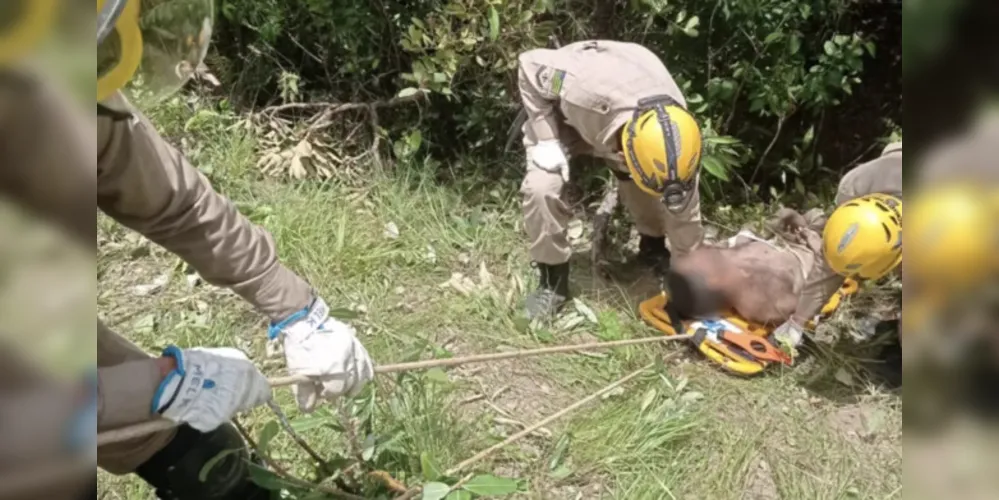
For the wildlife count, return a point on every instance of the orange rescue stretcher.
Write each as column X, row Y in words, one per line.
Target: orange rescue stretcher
column 738, row 346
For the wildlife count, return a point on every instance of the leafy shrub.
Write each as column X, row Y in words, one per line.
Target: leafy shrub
column 784, row 88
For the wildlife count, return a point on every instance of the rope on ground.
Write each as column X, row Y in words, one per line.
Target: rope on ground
column 543, row 422
column 137, row 430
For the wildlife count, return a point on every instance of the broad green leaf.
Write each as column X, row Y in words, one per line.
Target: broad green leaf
column 308, row 423
column 459, row 495
column 809, row 136
column 267, row 434
column 265, row 478
column 773, row 37
column 829, row 47
column 723, row 140
column 429, row 469
column 715, row 168
column 610, row 326
column 544, row 335
column 414, row 140
column 494, row 23
column 435, row 491
column 691, row 27
column 794, row 45
column 489, row 485
column 408, row 91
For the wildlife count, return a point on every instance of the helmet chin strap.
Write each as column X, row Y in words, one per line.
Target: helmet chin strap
column 108, row 17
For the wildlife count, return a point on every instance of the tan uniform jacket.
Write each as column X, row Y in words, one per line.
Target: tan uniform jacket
column 881, row 175
column 148, row 186
column 142, row 182
column 593, row 87
column 582, row 95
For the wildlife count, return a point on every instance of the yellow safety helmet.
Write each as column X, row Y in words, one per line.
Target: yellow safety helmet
column 952, row 239
column 23, row 23
column 156, row 45
column 661, row 143
column 863, row 237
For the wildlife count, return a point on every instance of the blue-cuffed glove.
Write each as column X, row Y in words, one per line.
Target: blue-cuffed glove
column 81, row 435
column 209, row 386
column 327, row 351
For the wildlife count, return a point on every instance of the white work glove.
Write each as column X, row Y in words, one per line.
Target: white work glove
column 209, row 386
column 327, row 351
column 790, row 333
column 550, row 157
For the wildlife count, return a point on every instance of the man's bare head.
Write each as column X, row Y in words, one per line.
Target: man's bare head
column 697, row 282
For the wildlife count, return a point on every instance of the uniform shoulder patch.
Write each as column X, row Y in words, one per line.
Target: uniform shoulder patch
column 551, row 80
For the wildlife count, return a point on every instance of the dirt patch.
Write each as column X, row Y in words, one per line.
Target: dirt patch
column 861, row 422
column 760, row 483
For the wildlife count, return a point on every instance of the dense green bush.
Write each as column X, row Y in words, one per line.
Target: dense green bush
column 791, row 91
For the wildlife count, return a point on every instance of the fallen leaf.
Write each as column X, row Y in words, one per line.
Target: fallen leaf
column 299, row 156
column 460, row 284
column 145, row 325
column 391, row 231
column 584, row 310
column 485, row 277
column 844, row 377
column 152, row 288
column 691, row 397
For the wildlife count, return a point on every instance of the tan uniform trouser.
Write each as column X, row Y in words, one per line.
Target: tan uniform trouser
column 546, row 216
column 125, row 457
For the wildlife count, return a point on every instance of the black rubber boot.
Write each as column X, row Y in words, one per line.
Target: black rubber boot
column 174, row 471
column 552, row 292
column 652, row 252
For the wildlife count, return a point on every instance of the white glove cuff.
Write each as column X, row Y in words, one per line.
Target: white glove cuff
column 302, row 323
column 548, row 155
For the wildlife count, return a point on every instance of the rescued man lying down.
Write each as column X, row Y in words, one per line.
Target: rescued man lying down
column 759, row 279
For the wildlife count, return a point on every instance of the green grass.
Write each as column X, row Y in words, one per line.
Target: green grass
column 683, row 431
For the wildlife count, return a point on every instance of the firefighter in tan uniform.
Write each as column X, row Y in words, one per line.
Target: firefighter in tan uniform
column 148, row 186
column 617, row 101
column 861, row 239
